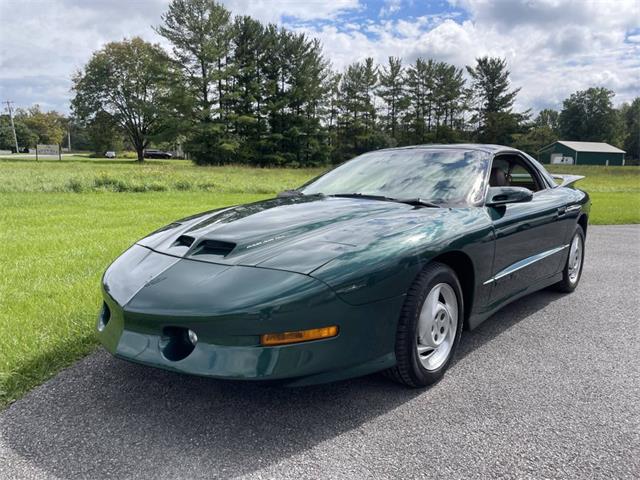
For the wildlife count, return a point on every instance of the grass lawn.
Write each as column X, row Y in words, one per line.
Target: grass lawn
column 614, row 191
column 62, row 222
column 82, row 175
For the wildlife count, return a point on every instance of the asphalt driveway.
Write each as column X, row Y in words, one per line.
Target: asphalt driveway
column 547, row 388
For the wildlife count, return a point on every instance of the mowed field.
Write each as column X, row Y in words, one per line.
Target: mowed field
column 63, row 222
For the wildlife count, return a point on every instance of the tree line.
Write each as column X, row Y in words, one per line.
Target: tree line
column 233, row 90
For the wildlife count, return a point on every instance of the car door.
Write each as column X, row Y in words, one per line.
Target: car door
column 528, row 236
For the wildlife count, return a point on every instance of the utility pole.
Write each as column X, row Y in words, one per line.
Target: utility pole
column 13, row 127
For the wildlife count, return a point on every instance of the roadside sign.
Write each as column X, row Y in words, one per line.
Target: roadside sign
column 48, row 150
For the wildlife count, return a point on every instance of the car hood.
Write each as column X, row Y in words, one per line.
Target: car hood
column 299, row 234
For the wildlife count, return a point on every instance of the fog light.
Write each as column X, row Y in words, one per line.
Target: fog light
column 298, row 336
column 103, row 317
column 177, row 343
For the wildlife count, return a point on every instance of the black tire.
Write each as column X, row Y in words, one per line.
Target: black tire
column 409, row 370
column 567, row 285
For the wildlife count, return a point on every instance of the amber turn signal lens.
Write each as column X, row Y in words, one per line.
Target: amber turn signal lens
column 299, row 336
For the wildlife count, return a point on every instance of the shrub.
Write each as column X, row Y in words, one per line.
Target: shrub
column 75, row 185
column 183, row 185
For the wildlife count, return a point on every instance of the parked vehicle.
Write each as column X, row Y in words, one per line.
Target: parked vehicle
column 110, row 154
column 157, row 154
column 379, row 264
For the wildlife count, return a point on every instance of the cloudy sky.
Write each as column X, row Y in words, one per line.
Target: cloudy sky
column 553, row 47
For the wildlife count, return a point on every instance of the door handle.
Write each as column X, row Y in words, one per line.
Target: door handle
column 562, row 211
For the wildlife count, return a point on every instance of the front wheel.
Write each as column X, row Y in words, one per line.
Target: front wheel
column 429, row 327
column 573, row 268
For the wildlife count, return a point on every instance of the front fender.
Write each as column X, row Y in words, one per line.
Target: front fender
column 387, row 267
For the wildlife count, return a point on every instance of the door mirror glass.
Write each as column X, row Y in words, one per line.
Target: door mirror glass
column 497, row 196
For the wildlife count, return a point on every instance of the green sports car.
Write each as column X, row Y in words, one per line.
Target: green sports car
column 377, row 265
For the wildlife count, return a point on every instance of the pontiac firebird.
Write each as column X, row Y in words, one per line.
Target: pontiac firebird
column 377, row 265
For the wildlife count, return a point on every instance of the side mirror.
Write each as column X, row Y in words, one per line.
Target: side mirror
column 497, row 196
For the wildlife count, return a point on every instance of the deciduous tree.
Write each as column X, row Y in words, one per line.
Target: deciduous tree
column 631, row 117
column 588, row 115
column 48, row 127
column 129, row 81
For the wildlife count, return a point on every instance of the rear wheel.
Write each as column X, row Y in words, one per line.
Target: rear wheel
column 429, row 327
column 573, row 268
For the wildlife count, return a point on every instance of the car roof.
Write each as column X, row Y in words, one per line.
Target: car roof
column 483, row 147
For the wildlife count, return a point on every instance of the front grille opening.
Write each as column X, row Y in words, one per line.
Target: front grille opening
column 183, row 241
column 214, row 247
column 103, row 317
column 176, row 343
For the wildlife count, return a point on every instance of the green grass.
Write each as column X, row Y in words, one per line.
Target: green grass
column 82, row 175
column 54, row 249
column 614, row 191
column 62, row 222
column 603, row 179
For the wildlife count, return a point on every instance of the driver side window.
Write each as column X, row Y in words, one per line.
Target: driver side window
column 521, row 177
column 511, row 171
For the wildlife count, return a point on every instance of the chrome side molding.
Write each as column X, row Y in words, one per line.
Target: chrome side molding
column 525, row 263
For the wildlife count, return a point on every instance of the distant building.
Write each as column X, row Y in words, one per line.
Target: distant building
column 581, row 153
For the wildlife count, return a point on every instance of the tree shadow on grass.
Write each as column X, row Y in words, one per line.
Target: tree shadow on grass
column 106, row 417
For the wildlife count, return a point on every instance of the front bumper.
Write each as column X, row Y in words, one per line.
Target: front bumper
column 229, row 308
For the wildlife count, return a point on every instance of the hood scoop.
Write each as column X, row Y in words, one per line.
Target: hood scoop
column 183, row 241
column 216, row 248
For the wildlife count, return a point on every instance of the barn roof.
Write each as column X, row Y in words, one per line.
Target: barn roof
column 598, row 147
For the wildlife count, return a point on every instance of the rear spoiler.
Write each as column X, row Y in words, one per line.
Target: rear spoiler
column 567, row 179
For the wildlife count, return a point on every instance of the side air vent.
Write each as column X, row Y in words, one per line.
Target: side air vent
column 183, row 241
column 214, row 247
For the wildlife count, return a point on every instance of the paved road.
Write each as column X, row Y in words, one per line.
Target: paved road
column 547, row 388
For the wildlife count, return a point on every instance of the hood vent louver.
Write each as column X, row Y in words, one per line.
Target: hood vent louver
column 183, row 241
column 214, row 247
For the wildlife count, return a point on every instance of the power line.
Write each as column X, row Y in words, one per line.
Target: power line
column 13, row 127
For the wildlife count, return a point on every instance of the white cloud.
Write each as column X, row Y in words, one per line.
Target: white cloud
column 634, row 38
column 390, row 7
column 553, row 47
column 274, row 11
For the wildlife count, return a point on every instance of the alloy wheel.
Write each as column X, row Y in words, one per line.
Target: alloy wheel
column 437, row 326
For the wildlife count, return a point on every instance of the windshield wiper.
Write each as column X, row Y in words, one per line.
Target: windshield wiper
column 418, row 202
column 363, row 195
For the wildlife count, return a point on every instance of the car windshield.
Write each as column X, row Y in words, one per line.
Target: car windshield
column 447, row 177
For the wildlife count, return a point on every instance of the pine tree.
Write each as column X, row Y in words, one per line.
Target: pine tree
column 420, row 85
column 244, row 94
column 264, row 95
column 494, row 101
column 392, row 92
column 357, row 130
column 447, row 101
column 199, row 32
